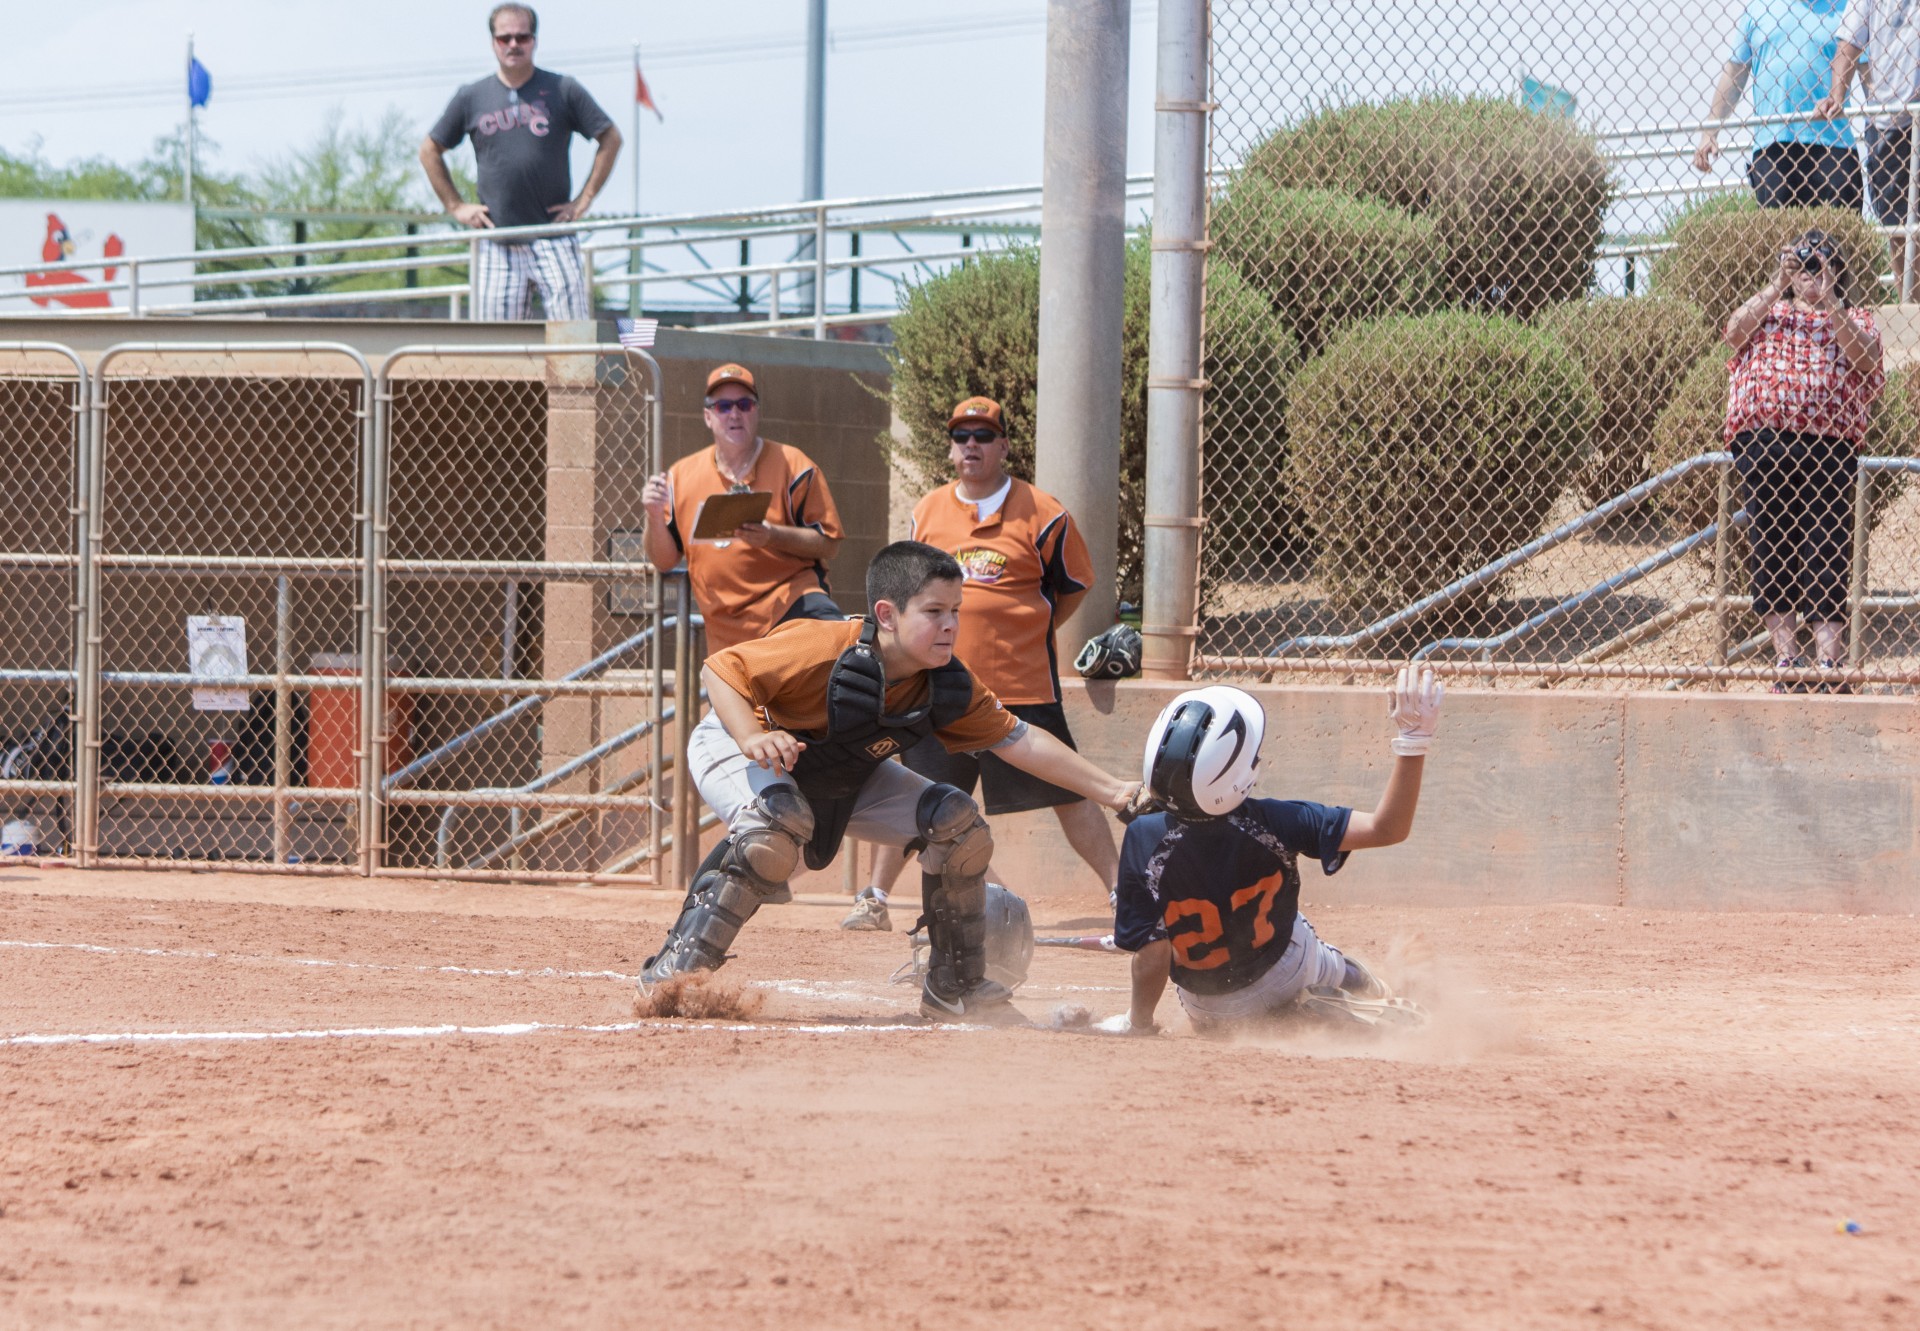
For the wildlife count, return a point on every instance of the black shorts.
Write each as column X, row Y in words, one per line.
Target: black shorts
column 1887, row 156
column 812, row 605
column 1007, row 789
column 1805, row 175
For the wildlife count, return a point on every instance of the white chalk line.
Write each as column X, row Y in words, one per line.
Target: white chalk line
column 543, row 973
column 507, row 1029
column 803, row 988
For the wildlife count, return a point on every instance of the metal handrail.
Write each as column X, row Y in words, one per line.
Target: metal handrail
column 1751, row 122
column 599, row 665
column 615, row 238
column 1606, row 586
column 624, row 236
column 519, row 840
column 1488, row 573
column 1858, row 596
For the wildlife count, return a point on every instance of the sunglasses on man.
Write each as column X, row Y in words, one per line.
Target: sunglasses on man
column 513, row 38
column 973, row 436
column 726, row 406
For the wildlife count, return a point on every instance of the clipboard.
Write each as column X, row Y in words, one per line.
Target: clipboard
column 720, row 513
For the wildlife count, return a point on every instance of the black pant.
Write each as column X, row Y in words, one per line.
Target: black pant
column 1799, row 499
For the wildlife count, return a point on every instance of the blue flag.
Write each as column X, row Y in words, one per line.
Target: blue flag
column 1545, row 99
column 199, row 82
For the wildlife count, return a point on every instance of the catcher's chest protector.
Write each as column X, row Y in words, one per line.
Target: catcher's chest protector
column 860, row 735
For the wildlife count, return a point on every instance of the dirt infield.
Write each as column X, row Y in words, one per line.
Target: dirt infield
column 402, row 1105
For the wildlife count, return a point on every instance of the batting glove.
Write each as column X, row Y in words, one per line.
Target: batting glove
column 1413, row 705
column 1122, row 1024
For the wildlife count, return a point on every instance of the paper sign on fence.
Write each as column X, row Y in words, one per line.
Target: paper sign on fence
column 217, row 649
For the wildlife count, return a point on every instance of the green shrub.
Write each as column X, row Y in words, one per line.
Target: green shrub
column 1516, row 199
column 1326, row 260
column 1251, row 517
column 1692, row 425
column 1635, row 352
column 975, row 329
column 972, row 329
column 1725, row 249
column 1421, row 447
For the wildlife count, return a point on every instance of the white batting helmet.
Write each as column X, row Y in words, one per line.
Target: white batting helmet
column 1203, row 749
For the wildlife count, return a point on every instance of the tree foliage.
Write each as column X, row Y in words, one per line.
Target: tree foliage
column 343, row 169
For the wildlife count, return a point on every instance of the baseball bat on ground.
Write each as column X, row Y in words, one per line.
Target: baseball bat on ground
column 1084, row 942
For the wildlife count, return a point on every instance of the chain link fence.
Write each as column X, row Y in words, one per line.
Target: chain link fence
column 511, row 552
column 227, row 547
column 270, row 608
column 1468, row 277
column 45, row 392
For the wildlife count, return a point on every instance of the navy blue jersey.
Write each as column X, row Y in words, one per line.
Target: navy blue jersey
column 1223, row 891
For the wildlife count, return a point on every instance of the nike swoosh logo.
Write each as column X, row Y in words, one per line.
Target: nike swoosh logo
column 1237, row 727
column 928, row 997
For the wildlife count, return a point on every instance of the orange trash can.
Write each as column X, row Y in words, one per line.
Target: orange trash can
column 333, row 726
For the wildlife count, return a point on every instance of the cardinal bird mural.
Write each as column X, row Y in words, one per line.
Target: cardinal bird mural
column 59, row 245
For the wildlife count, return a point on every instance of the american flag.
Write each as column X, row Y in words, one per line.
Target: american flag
column 636, row 334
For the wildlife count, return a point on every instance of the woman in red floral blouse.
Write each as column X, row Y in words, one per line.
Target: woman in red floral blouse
column 1805, row 372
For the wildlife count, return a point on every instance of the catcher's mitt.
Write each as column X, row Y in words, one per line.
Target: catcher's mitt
column 1114, row 654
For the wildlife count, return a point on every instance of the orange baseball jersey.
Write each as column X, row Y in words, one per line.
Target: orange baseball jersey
column 785, row 675
column 741, row 589
column 1026, row 568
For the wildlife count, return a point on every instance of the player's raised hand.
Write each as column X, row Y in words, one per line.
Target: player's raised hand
column 1413, row 705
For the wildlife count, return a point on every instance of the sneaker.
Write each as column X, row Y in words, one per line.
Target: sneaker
column 869, row 914
column 1363, row 983
column 987, row 1001
column 1788, row 686
column 1337, row 1007
column 1841, row 686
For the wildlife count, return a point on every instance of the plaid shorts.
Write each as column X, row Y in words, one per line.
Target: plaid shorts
column 555, row 264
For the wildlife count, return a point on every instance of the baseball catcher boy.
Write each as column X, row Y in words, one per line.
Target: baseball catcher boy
column 793, row 757
column 1209, row 891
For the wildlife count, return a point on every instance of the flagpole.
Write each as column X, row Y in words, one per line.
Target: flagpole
column 189, row 167
column 636, row 256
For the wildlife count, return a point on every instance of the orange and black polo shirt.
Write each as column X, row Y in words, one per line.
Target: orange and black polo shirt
column 742, row 590
column 1026, row 568
column 785, row 674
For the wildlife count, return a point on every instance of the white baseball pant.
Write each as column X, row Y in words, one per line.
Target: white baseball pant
column 1306, row 962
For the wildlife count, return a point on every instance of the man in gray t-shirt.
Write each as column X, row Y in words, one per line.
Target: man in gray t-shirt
column 522, row 120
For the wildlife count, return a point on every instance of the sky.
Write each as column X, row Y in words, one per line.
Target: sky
column 921, row 94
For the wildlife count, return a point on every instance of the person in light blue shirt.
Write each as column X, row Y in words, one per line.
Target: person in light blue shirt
column 1785, row 49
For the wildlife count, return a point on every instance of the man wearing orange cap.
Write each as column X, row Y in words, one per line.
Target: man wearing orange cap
column 1026, row 568
column 764, row 572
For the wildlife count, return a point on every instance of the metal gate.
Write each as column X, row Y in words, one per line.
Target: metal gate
column 524, row 645
column 41, row 534
column 268, row 609
column 228, row 497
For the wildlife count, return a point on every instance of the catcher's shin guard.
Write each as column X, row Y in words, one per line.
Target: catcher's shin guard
column 745, row 871
column 954, row 887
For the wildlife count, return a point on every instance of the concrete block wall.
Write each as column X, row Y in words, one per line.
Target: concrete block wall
column 1657, row 801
